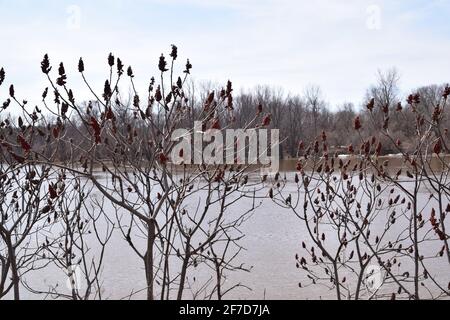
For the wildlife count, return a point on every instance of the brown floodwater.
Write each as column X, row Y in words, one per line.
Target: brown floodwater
column 273, row 237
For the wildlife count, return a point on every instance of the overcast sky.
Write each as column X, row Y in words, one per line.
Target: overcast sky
column 338, row 45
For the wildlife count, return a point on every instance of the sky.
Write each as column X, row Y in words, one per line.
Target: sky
column 338, row 45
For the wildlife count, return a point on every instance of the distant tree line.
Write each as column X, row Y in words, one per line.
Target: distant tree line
column 301, row 118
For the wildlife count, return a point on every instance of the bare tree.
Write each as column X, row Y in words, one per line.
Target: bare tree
column 364, row 205
column 149, row 193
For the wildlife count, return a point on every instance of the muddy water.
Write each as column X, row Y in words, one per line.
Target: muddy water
column 395, row 162
column 273, row 237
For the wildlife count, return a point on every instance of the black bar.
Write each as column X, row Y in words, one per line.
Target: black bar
column 180, row 310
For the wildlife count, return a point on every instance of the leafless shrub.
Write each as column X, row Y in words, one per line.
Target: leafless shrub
column 361, row 211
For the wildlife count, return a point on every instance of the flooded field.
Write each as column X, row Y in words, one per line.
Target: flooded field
column 273, row 237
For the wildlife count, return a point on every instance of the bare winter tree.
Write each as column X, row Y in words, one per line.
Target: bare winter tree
column 26, row 200
column 315, row 104
column 77, row 242
column 152, row 198
column 363, row 214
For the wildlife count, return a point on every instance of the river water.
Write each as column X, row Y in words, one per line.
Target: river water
column 273, row 237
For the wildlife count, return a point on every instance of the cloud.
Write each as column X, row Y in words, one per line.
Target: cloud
column 282, row 43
